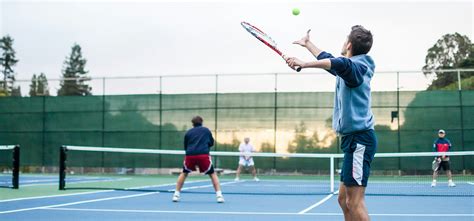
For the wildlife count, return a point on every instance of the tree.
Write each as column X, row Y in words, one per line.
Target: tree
column 39, row 85
column 309, row 144
column 267, row 147
column 8, row 60
column 450, row 51
column 15, row 91
column 74, row 76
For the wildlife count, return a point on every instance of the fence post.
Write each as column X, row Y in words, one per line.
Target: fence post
column 461, row 119
column 43, row 135
column 275, row 118
column 160, row 135
column 398, row 124
column 103, row 123
column 215, row 118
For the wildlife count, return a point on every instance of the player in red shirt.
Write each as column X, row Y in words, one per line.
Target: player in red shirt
column 440, row 145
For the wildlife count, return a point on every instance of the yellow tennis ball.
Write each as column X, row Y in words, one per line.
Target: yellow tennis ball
column 296, row 11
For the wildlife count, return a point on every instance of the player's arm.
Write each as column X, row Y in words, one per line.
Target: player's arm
column 185, row 142
column 352, row 73
column 306, row 43
column 241, row 150
column 435, row 149
column 252, row 150
column 211, row 139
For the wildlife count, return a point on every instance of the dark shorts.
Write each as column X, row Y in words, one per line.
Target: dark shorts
column 203, row 161
column 359, row 150
column 444, row 165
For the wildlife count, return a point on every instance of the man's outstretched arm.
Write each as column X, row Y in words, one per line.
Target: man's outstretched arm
column 306, row 43
column 351, row 73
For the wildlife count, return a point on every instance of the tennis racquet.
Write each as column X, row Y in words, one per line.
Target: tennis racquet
column 435, row 164
column 264, row 38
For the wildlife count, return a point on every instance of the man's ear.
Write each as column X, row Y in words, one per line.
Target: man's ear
column 349, row 46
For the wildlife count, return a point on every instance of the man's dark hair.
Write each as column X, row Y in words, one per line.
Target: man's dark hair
column 361, row 40
column 197, row 121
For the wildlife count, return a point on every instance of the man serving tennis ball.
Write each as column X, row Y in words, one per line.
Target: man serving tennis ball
column 352, row 117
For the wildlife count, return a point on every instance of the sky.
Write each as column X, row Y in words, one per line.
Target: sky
column 151, row 38
column 121, row 38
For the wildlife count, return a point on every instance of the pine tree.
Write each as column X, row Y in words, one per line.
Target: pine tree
column 7, row 61
column 39, row 85
column 74, row 76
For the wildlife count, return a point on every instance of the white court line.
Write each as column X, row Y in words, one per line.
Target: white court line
column 204, row 186
column 37, row 181
column 76, row 182
column 78, row 202
column 92, row 192
column 254, row 213
column 109, row 198
column 59, row 195
column 318, row 203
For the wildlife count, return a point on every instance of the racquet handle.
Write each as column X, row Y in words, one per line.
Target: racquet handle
column 298, row 69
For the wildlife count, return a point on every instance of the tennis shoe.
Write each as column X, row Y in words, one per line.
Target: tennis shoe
column 451, row 184
column 176, row 198
column 433, row 184
column 220, row 199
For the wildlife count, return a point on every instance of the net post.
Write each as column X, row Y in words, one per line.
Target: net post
column 16, row 167
column 62, row 167
column 331, row 173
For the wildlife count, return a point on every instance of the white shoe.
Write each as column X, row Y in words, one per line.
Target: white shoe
column 433, row 184
column 236, row 179
column 220, row 199
column 176, row 198
column 451, row 184
column 256, row 179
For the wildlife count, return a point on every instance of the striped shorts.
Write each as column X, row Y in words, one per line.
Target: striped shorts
column 359, row 149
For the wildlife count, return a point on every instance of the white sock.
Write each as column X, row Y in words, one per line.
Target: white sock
column 218, row 193
column 434, row 181
column 176, row 193
column 450, row 181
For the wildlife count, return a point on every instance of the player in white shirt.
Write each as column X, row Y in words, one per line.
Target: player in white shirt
column 246, row 160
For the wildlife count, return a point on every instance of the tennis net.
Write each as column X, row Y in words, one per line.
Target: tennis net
column 9, row 166
column 396, row 174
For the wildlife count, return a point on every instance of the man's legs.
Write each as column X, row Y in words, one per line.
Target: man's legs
column 254, row 173
column 237, row 174
column 359, row 150
column 179, row 185
column 342, row 202
column 217, row 187
column 435, row 175
column 355, row 203
column 450, row 178
column 215, row 182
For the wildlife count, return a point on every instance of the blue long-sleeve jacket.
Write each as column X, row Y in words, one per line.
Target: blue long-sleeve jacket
column 441, row 145
column 198, row 140
column 352, row 98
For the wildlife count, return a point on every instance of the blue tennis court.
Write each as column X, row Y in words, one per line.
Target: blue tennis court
column 32, row 180
column 242, row 202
